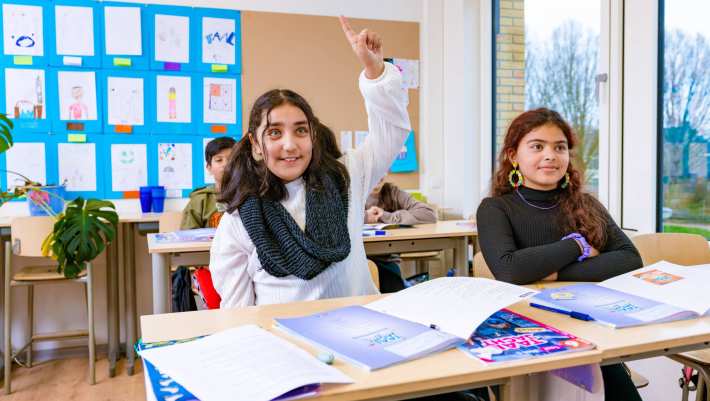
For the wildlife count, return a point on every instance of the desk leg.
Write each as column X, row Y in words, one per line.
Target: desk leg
column 112, row 305
column 461, row 256
column 2, row 302
column 130, row 286
column 161, row 282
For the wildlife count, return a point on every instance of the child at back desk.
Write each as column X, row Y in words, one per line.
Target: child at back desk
column 202, row 211
column 389, row 204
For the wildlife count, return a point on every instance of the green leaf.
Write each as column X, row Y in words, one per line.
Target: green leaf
column 6, row 127
column 82, row 233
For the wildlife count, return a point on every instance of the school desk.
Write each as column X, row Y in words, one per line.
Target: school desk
column 450, row 370
column 423, row 237
column 435, row 374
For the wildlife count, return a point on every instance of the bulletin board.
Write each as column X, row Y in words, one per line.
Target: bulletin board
column 110, row 96
column 78, row 98
column 309, row 54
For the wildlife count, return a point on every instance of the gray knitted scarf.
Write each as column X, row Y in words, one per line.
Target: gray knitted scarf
column 283, row 248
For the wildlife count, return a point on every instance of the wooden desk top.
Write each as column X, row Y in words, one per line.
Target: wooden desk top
column 443, row 371
column 122, row 218
column 441, row 229
column 617, row 343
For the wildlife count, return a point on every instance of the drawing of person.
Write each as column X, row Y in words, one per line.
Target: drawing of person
column 172, row 99
column 78, row 110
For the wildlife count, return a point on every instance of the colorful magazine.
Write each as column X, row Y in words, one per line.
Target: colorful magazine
column 507, row 336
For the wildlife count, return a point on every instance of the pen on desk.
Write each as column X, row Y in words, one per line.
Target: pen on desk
column 572, row 314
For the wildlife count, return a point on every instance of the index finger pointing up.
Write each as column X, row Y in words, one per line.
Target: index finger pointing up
column 347, row 29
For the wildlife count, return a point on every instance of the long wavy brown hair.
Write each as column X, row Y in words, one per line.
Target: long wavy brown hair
column 580, row 211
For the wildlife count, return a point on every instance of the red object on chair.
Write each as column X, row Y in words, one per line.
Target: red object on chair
column 209, row 294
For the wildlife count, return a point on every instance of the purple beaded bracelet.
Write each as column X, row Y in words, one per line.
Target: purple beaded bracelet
column 586, row 249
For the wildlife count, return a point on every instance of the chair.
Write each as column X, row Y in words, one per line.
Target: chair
column 28, row 233
column 374, row 273
column 682, row 249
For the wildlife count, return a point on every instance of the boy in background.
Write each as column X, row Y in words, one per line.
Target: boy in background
column 202, row 211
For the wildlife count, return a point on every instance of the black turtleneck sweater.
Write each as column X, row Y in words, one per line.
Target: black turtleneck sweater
column 521, row 244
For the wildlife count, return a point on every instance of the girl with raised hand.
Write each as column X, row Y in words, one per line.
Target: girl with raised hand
column 293, row 227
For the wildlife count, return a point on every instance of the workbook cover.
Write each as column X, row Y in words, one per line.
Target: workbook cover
column 508, row 336
column 367, row 338
column 195, row 235
column 611, row 307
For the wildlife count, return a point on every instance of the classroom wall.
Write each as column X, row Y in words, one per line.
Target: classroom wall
column 69, row 313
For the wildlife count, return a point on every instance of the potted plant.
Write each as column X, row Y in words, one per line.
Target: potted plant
column 81, row 231
column 80, row 234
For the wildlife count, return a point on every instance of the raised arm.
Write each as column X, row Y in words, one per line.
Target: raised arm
column 386, row 104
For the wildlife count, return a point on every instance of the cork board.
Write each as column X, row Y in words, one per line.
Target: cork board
column 310, row 55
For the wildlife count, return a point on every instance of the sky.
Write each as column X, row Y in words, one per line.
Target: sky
column 543, row 16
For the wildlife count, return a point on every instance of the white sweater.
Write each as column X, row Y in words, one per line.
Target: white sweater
column 236, row 271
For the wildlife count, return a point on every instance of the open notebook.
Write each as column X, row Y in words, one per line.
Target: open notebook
column 657, row 293
column 246, row 363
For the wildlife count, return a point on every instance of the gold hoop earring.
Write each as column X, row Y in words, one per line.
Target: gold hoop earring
column 565, row 183
column 515, row 173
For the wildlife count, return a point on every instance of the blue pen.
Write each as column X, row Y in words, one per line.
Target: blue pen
column 572, row 314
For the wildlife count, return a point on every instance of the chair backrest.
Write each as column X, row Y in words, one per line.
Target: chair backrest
column 480, row 268
column 679, row 248
column 373, row 272
column 169, row 221
column 28, row 233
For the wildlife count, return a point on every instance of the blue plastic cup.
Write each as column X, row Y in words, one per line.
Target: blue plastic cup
column 158, row 195
column 146, row 197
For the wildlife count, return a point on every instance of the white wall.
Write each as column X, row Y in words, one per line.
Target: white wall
column 639, row 124
column 455, row 96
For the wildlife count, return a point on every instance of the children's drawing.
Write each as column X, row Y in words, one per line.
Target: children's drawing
column 74, row 30
column 220, row 98
column 22, row 30
column 175, row 165
column 28, row 159
column 123, row 31
column 129, row 167
column 172, row 38
column 24, row 94
column 125, row 101
column 218, row 40
column 173, row 99
column 77, row 95
column 172, row 108
column 77, row 166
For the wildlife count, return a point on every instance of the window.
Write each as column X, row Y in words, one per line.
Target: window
column 547, row 55
column 684, row 139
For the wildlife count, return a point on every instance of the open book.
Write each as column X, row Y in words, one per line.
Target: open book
column 657, row 293
column 235, row 364
column 196, row 235
column 420, row 320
